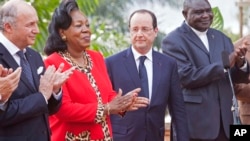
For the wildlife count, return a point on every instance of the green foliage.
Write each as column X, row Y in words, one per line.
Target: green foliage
column 44, row 18
column 218, row 21
column 45, row 9
column 105, row 37
column 109, row 28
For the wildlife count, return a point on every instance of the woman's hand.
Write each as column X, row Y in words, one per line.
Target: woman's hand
column 139, row 102
column 127, row 102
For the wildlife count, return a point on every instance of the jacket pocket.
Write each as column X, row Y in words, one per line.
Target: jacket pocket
column 119, row 129
column 192, row 98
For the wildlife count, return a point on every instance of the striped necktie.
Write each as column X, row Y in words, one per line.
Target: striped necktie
column 26, row 70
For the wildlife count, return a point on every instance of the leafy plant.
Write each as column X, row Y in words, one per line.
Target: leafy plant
column 218, row 21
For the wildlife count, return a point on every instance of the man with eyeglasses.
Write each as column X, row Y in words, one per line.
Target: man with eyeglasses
column 156, row 74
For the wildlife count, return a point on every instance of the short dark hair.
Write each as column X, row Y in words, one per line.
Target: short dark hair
column 144, row 11
column 61, row 19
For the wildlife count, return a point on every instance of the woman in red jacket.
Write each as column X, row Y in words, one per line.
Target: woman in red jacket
column 88, row 98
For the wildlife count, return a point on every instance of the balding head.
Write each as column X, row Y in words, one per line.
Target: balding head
column 198, row 14
column 19, row 18
column 10, row 10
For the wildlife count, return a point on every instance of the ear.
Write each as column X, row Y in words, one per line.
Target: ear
column 156, row 31
column 184, row 13
column 8, row 27
column 61, row 32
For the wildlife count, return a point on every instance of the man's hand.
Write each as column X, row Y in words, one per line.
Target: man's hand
column 47, row 81
column 238, row 56
column 8, row 82
column 53, row 79
column 61, row 77
column 241, row 46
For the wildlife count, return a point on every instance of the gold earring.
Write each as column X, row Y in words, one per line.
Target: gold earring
column 64, row 38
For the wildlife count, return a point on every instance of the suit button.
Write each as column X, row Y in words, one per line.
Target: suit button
column 44, row 132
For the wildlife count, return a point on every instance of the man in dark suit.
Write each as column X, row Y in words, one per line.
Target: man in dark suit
column 205, row 86
column 163, row 87
column 24, row 116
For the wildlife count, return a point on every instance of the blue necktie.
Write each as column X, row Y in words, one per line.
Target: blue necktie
column 26, row 70
column 143, row 76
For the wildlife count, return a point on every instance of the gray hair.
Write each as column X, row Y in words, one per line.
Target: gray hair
column 8, row 13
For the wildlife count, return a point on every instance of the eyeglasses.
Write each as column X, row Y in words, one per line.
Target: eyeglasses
column 144, row 30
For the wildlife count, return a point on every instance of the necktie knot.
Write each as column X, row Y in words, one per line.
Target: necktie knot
column 142, row 59
column 21, row 54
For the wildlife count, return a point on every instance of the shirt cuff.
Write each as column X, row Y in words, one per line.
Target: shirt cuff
column 58, row 95
column 244, row 67
column 3, row 105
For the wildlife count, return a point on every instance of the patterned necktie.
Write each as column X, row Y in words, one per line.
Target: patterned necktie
column 143, row 76
column 26, row 70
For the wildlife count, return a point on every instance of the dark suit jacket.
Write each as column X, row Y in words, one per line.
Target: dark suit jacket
column 147, row 124
column 205, row 86
column 26, row 116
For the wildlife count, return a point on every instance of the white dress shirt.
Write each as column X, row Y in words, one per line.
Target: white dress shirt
column 149, row 66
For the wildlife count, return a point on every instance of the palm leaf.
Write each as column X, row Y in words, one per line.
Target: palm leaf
column 218, row 22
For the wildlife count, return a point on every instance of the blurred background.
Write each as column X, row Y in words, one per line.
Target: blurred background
column 108, row 19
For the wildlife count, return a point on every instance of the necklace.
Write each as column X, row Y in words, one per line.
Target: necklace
column 87, row 65
column 85, row 60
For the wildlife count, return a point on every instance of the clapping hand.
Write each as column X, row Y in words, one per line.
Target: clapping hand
column 8, row 82
column 127, row 102
column 53, row 79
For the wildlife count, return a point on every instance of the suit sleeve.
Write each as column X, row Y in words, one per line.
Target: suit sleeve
column 54, row 105
column 23, row 109
column 191, row 75
column 177, row 108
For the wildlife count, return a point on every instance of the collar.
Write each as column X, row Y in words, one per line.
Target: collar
column 12, row 48
column 137, row 54
column 196, row 31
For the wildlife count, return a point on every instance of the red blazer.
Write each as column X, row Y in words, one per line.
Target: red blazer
column 79, row 102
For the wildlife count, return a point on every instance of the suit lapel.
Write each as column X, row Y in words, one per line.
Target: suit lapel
column 157, row 71
column 212, row 45
column 191, row 36
column 131, row 68
column 11, row 63
column 8, row 58
column 33, row 67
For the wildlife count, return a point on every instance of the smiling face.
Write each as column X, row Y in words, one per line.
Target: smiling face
column 142, row 33
column 78, row 34
column 198, row 14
